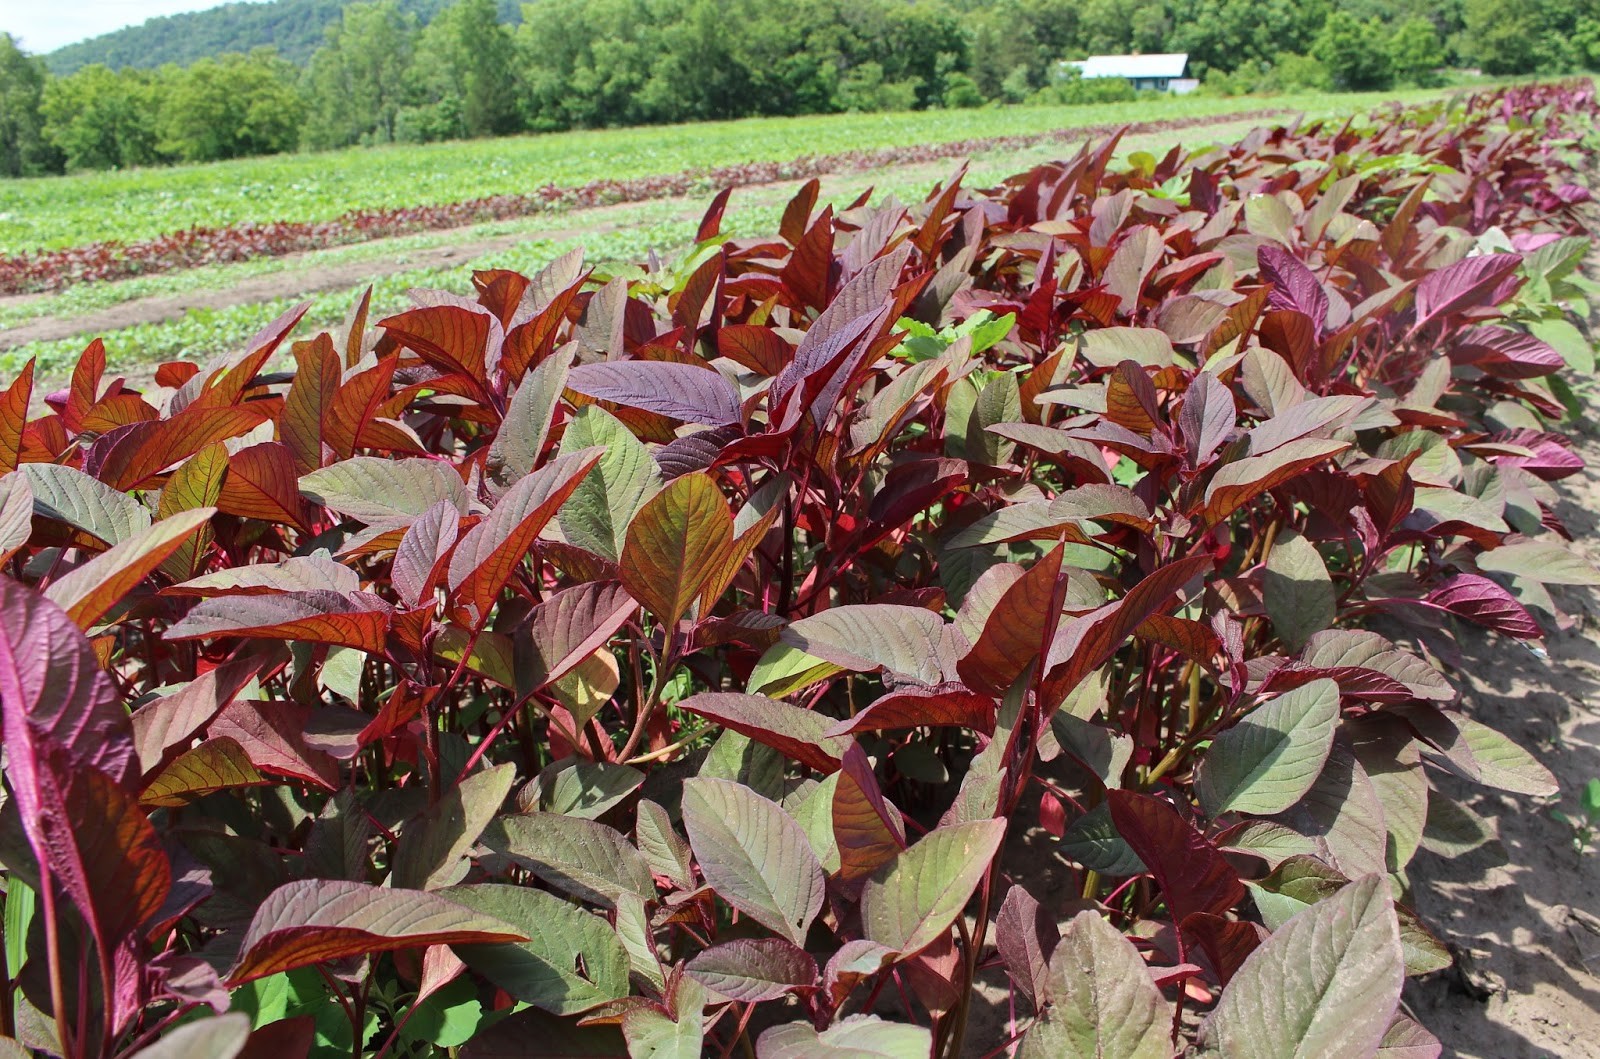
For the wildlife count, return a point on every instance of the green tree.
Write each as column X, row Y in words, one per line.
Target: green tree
column 24, row 148
column 464, row 83
column 1415, row 53
column 356, row 82
column 1502, row 38
column 105, row 120
column 232, row 106
column 1353, row 51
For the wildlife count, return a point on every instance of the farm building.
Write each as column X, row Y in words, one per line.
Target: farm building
column 1147, row 73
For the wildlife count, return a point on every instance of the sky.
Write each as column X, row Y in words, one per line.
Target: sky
column 45, row 25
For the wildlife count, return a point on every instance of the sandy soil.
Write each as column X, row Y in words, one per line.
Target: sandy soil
column 1524, row 919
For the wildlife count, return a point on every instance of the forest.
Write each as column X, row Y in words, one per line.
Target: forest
column 406, row 71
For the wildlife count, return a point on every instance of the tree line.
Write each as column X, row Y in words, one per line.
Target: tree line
column 382, row 76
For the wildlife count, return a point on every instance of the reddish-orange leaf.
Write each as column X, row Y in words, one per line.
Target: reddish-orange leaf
column 941, row 706
column 1018, row 628
column 867, row 831
column 14, row 417
column 85, row 388
column 356, row 403
column 311, row 395
column 347, row 619
column 262, row 483
column 150, row 448
column 674, row 544
column 486, row 557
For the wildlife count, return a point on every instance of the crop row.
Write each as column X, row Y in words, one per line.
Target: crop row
column 48, row 270
column 662, row 666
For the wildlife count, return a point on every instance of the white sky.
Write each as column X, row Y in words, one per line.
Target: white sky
column 44, row 25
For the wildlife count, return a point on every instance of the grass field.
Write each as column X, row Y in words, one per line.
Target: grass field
column 137, row 204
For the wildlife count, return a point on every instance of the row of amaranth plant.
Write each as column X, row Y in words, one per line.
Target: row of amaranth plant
column 657, row 667
column 59, row 269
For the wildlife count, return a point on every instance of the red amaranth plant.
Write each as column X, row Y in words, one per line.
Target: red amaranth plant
column 658, row 667
column 50, row 270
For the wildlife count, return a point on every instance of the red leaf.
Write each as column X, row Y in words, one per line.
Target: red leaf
column 941, row 706
column 311, row 396
column 1193, row 875
column 486, row 557
column 1086, row 643
column 14, row 417
column 1480, row 600
column 682, row 391
column 798, row 734
column 348, row 619
column 262, row 483
column 1018, row 628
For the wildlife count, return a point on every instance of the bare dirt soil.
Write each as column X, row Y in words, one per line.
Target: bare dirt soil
column 1524, row 919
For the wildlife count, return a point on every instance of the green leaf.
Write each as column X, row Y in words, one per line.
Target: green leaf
column 68, row 495
column 754, row 855
column 448, row 1018
column 1103, row 1003
column 783, row 670
column 432, row 851
column 653, row 1035
column 218, row 1037
column 371, row 489
column 1092, row 841
column 911, row 901
column 516, row 446
column 998, row 402
column 856, row 1037
column 1302, row 881
column 1268, row 760
column 1568, row 341
column 909, row 642
column 586, row 859
column 571, row 962
column 579, row 788
column 1544, row 561
column 1297, row 590
column 596, row 516
column 662, row 848
column 1326, row 984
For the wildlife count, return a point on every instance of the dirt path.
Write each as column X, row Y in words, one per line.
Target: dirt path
column 1524, row 918
column 292, row 279
column 285, row 283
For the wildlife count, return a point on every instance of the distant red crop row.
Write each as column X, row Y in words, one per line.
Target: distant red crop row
column 666, row 667
column 48, row 270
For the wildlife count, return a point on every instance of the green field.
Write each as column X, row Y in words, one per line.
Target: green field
column 141, row 203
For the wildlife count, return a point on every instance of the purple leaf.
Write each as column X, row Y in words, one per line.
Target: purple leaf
column 1480, row 600
column 682, row 391
column 1469, row 283
column 1293, row 285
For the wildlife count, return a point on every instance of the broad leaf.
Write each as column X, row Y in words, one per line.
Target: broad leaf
column 596, row 517
column 315, row 921
column 674, row 545
column 433, row 848
column 751, row 970
column 911, row 901
column 1326, row 984
column 1298, row 591
column 681, row 391
column 1267, row 761
column 586, row 859
column 91, row 590
column 799, row 734
column 908, row 642
column 854, row 1037
column 347, row 619
column 371, row 490
column 570, row 961
column 754, row 855
column 1102, row 1001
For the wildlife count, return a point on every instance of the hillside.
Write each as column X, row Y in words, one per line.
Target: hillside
column 294, row 27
